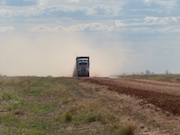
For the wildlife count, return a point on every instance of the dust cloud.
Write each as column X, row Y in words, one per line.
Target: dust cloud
column 55, row 55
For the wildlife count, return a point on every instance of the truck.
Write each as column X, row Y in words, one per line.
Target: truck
column 82, row 66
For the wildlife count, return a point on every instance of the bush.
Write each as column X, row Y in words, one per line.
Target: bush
column 68, row 117
column 128, row 130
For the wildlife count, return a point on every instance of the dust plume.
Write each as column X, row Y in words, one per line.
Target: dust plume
column 55, row 54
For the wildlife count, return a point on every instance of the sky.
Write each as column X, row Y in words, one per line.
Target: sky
column 43, row 37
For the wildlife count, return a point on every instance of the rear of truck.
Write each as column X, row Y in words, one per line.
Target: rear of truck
column 82, row 66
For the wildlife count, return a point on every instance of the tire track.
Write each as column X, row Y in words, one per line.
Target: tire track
column 168, row 102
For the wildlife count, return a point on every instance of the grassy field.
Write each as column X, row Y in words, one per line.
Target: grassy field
column 57, row 106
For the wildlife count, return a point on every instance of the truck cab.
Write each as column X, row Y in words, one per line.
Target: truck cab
column 82, row 66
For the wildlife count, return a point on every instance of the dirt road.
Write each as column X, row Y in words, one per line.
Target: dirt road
column 165, row 95
column 155, row 105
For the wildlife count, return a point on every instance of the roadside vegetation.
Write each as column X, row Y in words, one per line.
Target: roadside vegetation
column 57, row 106
column 158, row 77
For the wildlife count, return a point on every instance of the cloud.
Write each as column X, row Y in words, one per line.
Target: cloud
column 41, row 2
column 44, row 28
column 20, row 12
column 74, row 1
column 160, row 20
column 6, row 13
column 174, row 29
column 56, row 2
column 148, row 24
column 7, row 29
column 106, row 10
column 73, row 28
column 64, row 11
column 91, row 27
column 151, row 19
column 18, row 2
column 168, row 4
column 119, row 23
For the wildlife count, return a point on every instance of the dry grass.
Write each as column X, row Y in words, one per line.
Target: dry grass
column 53, row 106
column 126, row 129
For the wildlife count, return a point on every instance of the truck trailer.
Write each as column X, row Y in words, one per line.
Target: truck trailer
column 82, row 66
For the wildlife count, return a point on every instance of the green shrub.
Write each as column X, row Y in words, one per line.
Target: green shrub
column 68, row 117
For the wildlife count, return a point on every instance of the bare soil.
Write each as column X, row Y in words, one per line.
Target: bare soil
column 153, row 104
column 165, row 95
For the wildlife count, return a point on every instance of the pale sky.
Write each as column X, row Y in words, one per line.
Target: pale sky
column 43, row 37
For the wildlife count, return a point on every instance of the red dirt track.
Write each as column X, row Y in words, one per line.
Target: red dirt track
column 165, row 95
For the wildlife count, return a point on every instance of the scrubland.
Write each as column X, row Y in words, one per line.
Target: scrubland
column 73, row 106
